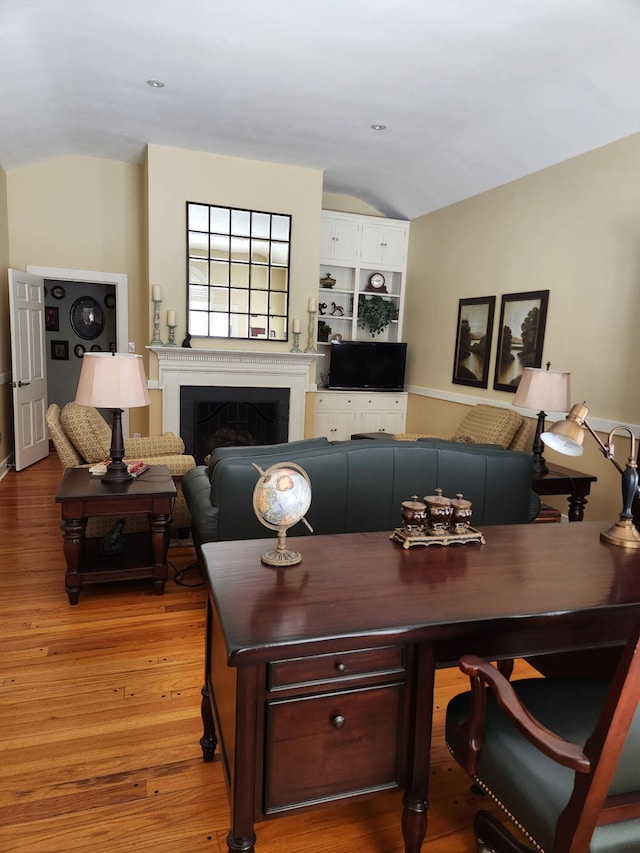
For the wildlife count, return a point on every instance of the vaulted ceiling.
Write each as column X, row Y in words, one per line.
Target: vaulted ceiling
column 473, row 93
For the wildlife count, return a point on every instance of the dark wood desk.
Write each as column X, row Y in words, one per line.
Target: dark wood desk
column 145, row 554
column 565, row 481
column 319, row 678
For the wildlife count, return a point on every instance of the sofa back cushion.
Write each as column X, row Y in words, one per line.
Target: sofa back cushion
column 359, row 486
column 87, row 430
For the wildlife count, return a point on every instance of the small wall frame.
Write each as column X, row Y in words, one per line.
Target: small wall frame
column 473, row 341
column 523, row 317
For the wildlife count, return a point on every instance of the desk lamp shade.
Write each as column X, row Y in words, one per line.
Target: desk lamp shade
column 113, row 381
column 548, row 391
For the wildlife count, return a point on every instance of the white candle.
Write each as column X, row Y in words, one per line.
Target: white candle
column 155, row 290
column 296, row 326
column 312, row 303
column 171, row 318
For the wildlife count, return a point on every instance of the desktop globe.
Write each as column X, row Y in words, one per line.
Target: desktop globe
column 281, row 498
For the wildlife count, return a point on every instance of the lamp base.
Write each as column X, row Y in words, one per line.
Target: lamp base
column 117, row 475
column 623, row 533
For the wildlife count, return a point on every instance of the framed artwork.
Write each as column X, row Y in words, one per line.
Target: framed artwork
column 87, row 318
column 473, row 341
column 79, row 350
column 96, row 348
column 110, row 300
column 60, row 350
column 520, row 338
column 58, row 291
column 51, row 318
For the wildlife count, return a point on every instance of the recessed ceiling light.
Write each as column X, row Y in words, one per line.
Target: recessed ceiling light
column 378, row 126
column 155, row 84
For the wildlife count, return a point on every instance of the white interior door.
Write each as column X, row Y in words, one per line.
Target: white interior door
column 28, row 367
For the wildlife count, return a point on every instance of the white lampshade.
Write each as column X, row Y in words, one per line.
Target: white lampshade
column 545, row 390
column 112, row 381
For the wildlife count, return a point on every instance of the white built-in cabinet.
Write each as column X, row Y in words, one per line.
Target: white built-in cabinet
column 352, row 249
column 341, row 414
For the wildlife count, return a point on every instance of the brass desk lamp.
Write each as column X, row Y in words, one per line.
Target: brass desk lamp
column 567, row 437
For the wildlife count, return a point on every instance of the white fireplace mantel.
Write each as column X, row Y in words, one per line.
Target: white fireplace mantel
column 179, row 366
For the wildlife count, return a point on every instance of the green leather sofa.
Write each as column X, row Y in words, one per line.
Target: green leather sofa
column 359, row 486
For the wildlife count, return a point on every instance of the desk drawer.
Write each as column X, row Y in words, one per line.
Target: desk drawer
column 323, row 747
column 335, row 666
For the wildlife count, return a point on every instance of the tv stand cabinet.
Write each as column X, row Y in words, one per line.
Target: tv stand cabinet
column 340, row 414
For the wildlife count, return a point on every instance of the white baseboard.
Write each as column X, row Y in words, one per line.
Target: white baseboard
column 5, row 464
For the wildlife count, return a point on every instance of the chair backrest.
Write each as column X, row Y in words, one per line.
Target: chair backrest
column 484, row 424
column 87, row 430
column 610, row 792
column 67, row 454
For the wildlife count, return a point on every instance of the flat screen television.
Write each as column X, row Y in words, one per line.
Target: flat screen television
column 367, row 366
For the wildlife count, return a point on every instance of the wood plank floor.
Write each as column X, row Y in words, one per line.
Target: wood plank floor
column 100, row 716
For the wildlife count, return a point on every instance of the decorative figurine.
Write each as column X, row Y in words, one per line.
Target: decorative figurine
column 112, row 542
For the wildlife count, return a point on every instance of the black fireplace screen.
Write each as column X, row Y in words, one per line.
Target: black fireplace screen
column 224, row 417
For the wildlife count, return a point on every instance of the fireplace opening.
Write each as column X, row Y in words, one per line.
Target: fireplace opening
column 212, row 417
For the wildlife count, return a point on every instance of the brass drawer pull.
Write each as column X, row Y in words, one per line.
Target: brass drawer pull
column 338, row 721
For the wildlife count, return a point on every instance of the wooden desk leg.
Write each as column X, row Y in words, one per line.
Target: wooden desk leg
column 159, row 526
column 577, row 501
column 208, row 741
column 73, row 530
column 415, row 801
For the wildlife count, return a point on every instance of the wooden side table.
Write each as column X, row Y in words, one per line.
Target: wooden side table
column 565, row 481
column 144, row 555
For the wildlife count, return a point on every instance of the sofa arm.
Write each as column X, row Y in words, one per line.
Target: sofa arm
column 153, row 445
column 196, row 487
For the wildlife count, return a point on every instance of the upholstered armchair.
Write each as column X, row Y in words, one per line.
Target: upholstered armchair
column 558, row 755
column 81, row 436
column 485, row 424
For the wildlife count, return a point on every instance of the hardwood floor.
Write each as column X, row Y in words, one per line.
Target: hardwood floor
column 100, row 716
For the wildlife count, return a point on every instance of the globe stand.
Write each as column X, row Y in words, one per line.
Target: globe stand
column 281, row 556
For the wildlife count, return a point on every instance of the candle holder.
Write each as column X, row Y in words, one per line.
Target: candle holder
column 172, row 337
column 156, row 341
column 312, row 332
column 296, row 343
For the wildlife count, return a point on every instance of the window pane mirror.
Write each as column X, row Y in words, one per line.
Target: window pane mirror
column 237, row 273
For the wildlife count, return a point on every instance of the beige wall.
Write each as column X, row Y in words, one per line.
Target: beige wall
column 83, row 213
column 6, row 416
column 573, row 229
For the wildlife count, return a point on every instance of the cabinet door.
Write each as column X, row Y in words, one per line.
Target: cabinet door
column 393, row 421
column 325, row 747
column 383, row 245
column 340, row 239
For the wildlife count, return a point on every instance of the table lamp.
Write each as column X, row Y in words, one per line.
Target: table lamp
column 567, row 437
column 113, row 381
column 543, row 389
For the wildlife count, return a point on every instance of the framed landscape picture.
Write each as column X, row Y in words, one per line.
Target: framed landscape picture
column 520, row 336
column 473, row 341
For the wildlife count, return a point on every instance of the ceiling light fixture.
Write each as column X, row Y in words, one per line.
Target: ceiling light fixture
column 155, row 84
column 378, row 126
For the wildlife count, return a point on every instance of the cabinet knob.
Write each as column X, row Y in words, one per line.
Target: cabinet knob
column 338, row 721
column 341, row 667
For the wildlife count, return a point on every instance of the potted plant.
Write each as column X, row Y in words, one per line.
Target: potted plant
column 375, row 313
column 324, row 330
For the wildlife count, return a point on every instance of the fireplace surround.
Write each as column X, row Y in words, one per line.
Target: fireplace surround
column 179, row 367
